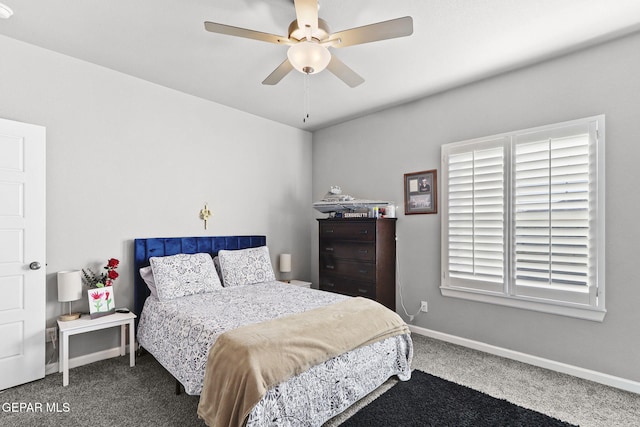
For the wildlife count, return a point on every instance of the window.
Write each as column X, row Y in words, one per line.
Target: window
column 523, row 219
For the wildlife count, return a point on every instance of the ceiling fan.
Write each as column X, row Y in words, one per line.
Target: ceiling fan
column 309, row 39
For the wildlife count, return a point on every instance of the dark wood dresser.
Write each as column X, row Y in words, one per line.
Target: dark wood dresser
column 358, row 258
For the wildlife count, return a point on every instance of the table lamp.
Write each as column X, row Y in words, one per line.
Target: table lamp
column 69, row 289
column 285, row 266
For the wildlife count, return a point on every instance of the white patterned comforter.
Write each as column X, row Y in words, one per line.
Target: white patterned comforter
column 179, row 333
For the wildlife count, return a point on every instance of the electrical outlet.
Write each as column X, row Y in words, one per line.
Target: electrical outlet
column 424, row 307
column 51, row 334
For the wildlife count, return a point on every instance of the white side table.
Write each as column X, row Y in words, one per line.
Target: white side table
column 300, row 283
column 86, row 324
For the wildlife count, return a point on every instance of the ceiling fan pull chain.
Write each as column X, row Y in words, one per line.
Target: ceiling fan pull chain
column 306, row 99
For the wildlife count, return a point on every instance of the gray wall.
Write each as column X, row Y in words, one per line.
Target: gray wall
column 368, row 157
column 127, row 158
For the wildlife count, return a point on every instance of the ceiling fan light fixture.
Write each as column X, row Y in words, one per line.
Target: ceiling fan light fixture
column 5, row 11
column 309, row 57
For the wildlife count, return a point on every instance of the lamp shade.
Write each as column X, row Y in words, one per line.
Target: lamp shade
column 309, row 57
column 69, row 286
column 5, row 11
column 285, row 263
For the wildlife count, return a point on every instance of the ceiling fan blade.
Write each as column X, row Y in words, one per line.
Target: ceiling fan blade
column 243, row 32
column 399, row 27
column 307, row 14
column 279, row 73
column 344, row 73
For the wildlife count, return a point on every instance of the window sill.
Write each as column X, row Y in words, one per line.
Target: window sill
column 586, row 313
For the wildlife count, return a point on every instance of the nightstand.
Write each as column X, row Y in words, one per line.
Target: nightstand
column 87, row 324
column 300, row 283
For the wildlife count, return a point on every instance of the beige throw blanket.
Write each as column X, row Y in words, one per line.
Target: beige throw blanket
column 245, row 362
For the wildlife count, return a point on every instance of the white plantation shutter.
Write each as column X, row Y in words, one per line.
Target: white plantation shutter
column 552, row 201
column 523, row 219
column 476, row 208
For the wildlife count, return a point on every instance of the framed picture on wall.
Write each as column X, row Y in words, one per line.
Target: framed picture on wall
column 421, row 192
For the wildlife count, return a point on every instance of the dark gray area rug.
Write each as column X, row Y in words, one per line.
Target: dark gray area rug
column 426, row 400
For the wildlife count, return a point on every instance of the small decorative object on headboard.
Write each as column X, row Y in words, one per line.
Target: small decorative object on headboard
column 205, row 213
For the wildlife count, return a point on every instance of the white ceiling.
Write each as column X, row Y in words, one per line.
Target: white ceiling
column 454, row 42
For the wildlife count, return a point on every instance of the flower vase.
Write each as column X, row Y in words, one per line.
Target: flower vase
column 101, row 301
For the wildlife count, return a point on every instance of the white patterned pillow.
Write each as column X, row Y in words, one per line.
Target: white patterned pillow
column 184, row 274
column 147, row 276
column 246, row 266
column 216, row 264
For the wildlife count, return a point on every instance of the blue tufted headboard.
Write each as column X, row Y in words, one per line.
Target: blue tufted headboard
column 145, row 248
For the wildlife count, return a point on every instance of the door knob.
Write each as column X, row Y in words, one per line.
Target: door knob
column 35, row 265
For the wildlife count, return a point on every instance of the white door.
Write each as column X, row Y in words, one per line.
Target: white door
column 22, row 253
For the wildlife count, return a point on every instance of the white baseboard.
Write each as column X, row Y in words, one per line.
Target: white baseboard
column 53, row 368
column 587, row 374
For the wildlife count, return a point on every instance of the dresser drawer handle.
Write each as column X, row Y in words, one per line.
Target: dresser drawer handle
column 363, row 271
column 329, row 230
column 363, row 291
column 364, row 231
column 330, row 267
column 330, row 285
column 363, row 251
column 328, row 249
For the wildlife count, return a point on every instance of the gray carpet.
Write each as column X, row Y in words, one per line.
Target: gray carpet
column 561, row 396
column 106, row 393
column 110, row 393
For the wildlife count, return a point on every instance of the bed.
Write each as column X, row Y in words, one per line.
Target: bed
column 179, row 334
